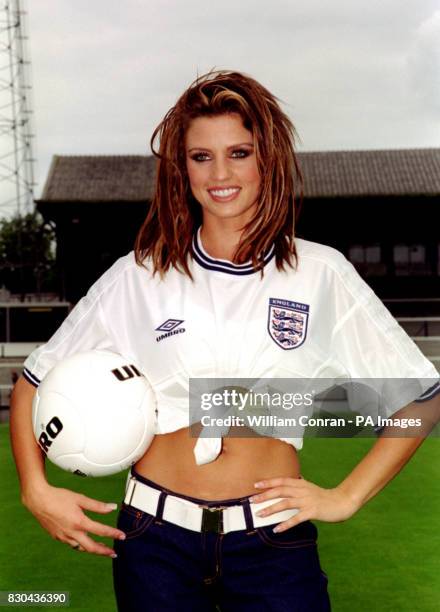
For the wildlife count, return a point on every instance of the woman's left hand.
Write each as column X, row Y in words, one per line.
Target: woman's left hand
column 313, row 502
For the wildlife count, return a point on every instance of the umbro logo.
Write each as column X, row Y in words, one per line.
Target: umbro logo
column 169, row 327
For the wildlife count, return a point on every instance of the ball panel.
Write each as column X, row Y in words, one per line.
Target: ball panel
column 106, row 409
column 57, row 424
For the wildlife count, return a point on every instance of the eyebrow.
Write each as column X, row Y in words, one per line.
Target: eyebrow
column 235, row 146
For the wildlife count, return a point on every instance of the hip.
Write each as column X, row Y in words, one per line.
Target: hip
column 174, row 563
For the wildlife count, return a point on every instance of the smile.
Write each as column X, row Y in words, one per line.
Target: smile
column 224, row 195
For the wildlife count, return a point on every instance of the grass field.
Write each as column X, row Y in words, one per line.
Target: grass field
column 384, row 559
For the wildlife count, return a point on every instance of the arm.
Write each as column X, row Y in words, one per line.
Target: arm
column 29, row 458
column 382, row 462
column 58, row 510
column 390, row 453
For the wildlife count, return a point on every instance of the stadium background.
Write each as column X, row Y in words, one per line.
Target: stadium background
column 376, row 200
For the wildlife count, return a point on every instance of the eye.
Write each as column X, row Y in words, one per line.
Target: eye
column 240, row 153
column 200, row 157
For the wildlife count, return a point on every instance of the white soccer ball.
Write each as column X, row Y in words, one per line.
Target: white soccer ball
column 94, row 414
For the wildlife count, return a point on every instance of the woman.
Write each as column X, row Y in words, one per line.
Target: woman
column 216, row 262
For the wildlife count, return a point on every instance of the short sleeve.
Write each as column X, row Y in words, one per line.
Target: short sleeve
column 83, row 329
column 369, row 345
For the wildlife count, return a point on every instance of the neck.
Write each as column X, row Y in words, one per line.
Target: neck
column 220, row 243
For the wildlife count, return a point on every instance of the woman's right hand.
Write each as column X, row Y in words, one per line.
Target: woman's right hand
column 61, row 513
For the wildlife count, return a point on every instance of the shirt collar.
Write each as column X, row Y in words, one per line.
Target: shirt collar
column 222, row 265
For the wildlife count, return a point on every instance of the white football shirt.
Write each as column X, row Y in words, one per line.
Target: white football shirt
column 320, row 320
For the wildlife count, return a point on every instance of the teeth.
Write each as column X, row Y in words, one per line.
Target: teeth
column 223, row 193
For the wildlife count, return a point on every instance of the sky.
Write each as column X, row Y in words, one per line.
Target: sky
column 351, row 74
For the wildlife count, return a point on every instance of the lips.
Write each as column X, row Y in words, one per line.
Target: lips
column 224, row 194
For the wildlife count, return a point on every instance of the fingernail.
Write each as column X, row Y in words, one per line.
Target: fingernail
column 112, row 506
column 258, row 484
column 114, row 556
column 275, row 529
column 122, row 537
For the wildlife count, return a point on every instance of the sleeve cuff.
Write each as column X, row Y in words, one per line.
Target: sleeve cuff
column 31, row 378
column 429, row 393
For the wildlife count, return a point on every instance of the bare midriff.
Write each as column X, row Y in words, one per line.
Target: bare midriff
column 170, row 462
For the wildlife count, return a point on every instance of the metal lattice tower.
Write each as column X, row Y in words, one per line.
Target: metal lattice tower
column 16, row 158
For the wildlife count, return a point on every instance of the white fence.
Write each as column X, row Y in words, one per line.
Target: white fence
column 17, row 349
column 12, row 356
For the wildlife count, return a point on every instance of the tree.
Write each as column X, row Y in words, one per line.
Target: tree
column 27, row 254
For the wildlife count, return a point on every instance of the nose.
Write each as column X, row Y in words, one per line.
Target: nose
column 220, row 170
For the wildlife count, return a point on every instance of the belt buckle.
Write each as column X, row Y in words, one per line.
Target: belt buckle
column 212, row 519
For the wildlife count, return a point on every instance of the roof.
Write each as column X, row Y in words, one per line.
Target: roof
column 100, row 178
column 367, row 173
column 130, row 178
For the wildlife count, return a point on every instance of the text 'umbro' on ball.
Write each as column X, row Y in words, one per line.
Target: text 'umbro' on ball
column 94, row 414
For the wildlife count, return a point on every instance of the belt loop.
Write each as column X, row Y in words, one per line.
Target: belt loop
column 127, row 482
column 248, row 515
column 161, row 504
column 134, row 482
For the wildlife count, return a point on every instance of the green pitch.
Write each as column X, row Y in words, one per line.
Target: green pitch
column 384, row 559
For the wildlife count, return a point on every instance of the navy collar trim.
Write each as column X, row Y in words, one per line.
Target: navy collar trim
column 222, row 265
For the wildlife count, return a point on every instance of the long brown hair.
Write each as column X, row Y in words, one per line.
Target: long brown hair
column 174, row 213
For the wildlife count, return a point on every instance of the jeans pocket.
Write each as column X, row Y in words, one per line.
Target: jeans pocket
column 133, row 522
column 300, row 536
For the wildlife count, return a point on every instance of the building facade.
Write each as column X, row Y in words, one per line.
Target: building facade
column 380, row 208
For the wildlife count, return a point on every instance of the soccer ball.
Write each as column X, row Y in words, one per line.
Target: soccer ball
column 94, row 414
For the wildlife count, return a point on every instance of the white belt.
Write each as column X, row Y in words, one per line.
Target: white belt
column 188, row 514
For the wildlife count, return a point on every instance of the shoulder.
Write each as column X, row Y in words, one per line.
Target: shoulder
column 326, row 261
column 124, row 270
column 321, row 255
column 319, row 252
column 121, row 265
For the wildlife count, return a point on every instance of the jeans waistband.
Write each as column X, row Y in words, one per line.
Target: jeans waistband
column 217, row 502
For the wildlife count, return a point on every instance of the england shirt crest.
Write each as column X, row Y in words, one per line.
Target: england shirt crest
column 287, row 323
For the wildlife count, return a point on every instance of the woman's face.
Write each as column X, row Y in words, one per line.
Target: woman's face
column 222, row 166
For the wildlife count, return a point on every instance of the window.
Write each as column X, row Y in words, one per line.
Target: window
column 372, row 254
column 410, row 260
column 417, row 254
column 401, row 259
column 356, row 254
column 367, row 259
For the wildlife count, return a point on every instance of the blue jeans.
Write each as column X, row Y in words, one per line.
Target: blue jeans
column 162, row 567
